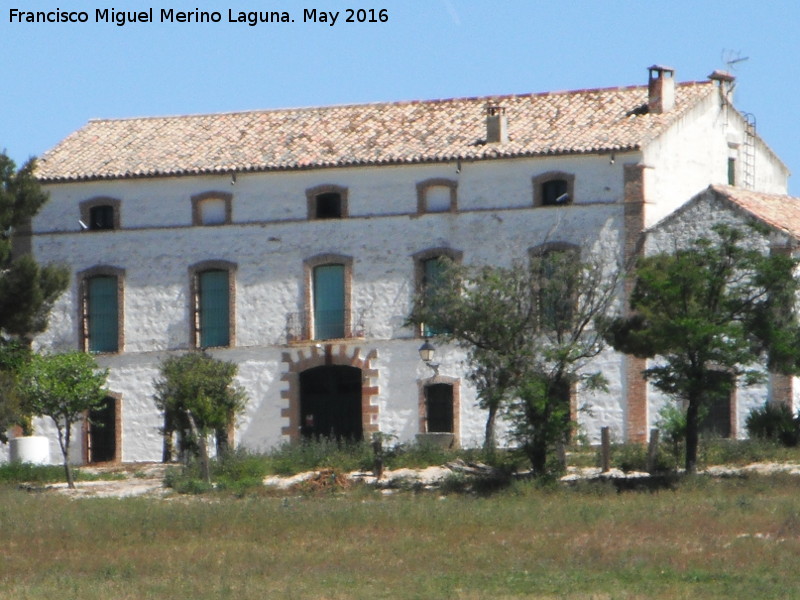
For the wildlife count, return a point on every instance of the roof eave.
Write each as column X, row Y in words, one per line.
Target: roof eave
column 342, row 165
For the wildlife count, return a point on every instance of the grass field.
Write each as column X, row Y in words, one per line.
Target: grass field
column 708, row 538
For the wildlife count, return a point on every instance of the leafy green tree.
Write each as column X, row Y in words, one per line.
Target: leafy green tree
column 63, row 387
column 198, row 396
column 708, row 313
column 13, row 355
column 10, row 410
column 529, row 336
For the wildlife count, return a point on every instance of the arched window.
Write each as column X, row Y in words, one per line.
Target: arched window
column 553, row 189
column 213, row 294
column 429, row 266
column 554, row 265
column 101, row 302
column 328, row 301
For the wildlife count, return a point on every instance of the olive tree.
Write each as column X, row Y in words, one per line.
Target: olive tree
column 198, row 396
column 529, row 332
column 64, row 387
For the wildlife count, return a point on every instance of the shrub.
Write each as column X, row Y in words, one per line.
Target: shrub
column 19, row 472
column 773, row 422
column 630, row 457
column 186, row 480
column 309, row 455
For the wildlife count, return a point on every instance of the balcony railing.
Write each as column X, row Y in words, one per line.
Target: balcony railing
column 324, row 325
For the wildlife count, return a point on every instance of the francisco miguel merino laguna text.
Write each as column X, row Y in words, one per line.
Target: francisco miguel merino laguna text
column 170, row 15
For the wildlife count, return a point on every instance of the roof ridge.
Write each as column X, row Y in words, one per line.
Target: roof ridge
column 732, row 191
column 379, row 103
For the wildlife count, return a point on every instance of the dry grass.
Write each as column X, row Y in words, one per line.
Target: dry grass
column 736, row 538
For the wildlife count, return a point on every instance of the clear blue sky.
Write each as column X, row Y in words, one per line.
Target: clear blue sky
column 57, row 76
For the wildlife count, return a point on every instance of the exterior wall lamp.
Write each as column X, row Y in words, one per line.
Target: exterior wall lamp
column 426, row 353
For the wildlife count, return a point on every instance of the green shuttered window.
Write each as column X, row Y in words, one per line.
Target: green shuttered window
column 433, row 270
column 329, row 308
column 213, row 305
column 102, row 313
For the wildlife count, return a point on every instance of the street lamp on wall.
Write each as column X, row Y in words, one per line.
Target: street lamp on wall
column 426, row 353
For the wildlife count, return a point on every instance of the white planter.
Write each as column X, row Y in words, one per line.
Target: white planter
column 34, row 449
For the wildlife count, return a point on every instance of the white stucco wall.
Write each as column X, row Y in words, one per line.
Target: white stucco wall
column 694, row 153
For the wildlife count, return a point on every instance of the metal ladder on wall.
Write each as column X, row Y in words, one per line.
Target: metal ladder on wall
column 749, row 170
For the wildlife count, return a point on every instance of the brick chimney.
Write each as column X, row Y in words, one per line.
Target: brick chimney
column 660, row 89
column 496, row 124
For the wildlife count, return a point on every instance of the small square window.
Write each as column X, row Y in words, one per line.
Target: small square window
column 328, row 206
column 212, row 208
column 437, row 198
column 101, row 217
column 437, row 195
column 213, row 211
column 554, row 188
column 554, row 193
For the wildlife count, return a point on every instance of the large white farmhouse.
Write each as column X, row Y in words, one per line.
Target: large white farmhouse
column 292, row 242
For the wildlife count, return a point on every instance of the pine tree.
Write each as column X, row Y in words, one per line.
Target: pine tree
column 27, row 290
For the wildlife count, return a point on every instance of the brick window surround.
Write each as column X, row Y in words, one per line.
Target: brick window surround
column 308, row 293
column 311, row 199
column 420, row 259
column 455, row 383
column 83, row 304
column 543, row 178
column 194, row 296
column 423, row 187
column 197, row 207
column 86, row 207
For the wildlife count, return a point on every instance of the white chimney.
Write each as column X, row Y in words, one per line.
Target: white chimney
column 496, row 124
column 725, row 81
column 660, row 89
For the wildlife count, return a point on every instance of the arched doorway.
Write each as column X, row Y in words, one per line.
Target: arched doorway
column 330, row 402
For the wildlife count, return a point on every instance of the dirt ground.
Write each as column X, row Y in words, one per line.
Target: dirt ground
column 147, row 479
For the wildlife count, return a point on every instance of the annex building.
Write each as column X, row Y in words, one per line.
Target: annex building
column 292, row 242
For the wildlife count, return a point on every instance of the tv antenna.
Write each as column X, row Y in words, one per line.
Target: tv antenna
column 732, row 58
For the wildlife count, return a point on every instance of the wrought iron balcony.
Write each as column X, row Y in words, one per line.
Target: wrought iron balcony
column 324, row 325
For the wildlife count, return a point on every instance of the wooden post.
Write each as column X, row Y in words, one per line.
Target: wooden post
column 605, row 449
column 377, row 450
column 652, row 451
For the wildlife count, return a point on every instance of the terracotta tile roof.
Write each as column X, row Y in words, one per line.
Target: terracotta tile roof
column 584, row 121
column 775, row 210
